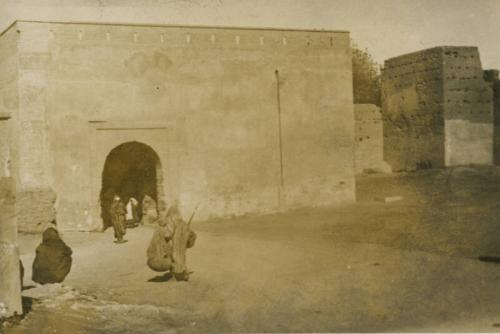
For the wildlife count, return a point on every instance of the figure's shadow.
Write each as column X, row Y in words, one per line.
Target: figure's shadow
column 161, row 278
column 491, row 259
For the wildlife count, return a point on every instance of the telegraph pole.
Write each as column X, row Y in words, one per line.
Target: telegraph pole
column 278, row 99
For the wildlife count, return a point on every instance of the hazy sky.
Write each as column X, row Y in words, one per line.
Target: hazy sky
column 386, row 27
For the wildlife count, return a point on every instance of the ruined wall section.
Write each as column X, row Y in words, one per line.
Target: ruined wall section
column 369, row 140
column 10, row 277
column 412, row 93
column 468, row 108
column 216, row 89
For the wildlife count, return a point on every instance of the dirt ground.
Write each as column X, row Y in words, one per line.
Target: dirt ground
column 428, row 262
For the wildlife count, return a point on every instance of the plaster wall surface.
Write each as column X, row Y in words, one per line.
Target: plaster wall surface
column 204, row 99
column 437, row 109
column 369, row 141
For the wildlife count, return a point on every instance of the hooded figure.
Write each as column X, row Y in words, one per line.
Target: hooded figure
column 132, row 215
column 117, row 212
column 167, row 250
column 53, row 259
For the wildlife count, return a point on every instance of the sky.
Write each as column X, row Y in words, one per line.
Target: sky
column 387, row 28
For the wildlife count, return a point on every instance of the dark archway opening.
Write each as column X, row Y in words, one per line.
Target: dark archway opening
column 131, row 169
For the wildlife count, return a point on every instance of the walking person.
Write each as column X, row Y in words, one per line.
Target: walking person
column 182, row 239
column 168, row 247
column 117, row 213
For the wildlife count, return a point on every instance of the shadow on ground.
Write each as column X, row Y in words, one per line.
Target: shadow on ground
column 161, row 278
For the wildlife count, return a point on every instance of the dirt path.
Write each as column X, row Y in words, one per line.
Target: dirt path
column 404, row 266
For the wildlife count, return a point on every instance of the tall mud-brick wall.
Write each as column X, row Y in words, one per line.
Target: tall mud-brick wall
column 241, row 120
column 468, row 108
column 493, row 77
column 412, row 95
column 437, row 109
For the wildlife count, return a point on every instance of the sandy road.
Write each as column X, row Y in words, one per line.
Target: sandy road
column 367, row 267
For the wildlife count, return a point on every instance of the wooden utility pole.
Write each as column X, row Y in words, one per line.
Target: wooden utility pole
column 278, row 99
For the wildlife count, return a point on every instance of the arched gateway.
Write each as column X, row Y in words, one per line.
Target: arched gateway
column 132, row 169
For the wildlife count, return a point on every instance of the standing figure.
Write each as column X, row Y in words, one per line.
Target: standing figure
column 117, row 212
column 132, row 216
column 53, row 259
column 167, row 250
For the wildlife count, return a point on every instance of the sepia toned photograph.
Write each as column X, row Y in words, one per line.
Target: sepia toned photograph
column 258, row 166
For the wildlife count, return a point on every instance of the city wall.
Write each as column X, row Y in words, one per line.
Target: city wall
column 437, row 109
column 213, row 104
